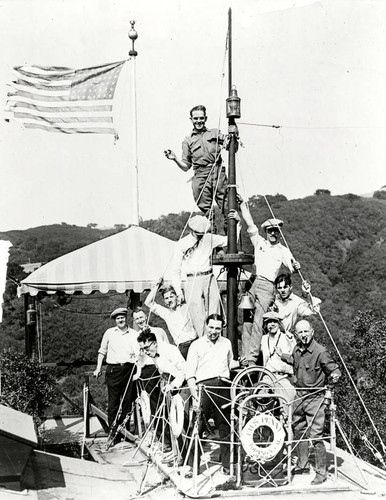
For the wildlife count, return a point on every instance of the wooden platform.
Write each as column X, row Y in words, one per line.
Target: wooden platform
column 211, row 482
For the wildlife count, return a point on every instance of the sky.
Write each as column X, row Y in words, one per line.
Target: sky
column 315, row 68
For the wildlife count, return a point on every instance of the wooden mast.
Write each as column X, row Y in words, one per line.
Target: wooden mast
column 232, row 259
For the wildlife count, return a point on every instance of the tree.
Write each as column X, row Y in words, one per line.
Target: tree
column 380, row 195
column 92, row 225
column 27, row 386
column 319, row 192
column 368, row 348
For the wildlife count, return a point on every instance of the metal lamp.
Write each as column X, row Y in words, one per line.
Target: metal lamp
column 233, row 104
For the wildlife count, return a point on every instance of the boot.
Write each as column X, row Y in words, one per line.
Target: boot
column 320, row 464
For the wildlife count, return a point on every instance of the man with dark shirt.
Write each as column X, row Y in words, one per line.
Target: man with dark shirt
column 201, row 149
column 313, row 369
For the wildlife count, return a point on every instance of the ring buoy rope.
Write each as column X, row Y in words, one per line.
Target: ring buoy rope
column 176, row 416
column 144, row 402
column 256, row 451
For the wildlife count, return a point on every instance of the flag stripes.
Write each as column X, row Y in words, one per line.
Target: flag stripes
column 64, row 100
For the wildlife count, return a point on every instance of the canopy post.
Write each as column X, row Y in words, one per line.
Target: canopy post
column 134, row 300
column 30, row 321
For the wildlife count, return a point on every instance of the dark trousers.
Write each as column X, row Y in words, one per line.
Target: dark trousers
column 214, row 396
column 150, row 378
column 309, row 411
column 208, row 184
column 117, row 377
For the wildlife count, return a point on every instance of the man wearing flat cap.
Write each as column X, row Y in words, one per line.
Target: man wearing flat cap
column 120, row 347
column 192, row 259
column 270, row 256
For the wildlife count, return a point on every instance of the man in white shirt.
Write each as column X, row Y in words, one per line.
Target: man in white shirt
column 209, row 362
column 120, row 347
column 166, row 357
column 192, row 259
column 175, row 315
column 270, row 255
column 172, row 367
column 150, row 376
column 291, row 307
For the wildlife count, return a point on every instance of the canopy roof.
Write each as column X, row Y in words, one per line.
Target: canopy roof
column 133, row 259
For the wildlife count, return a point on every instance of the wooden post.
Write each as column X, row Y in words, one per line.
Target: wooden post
column 86, row 405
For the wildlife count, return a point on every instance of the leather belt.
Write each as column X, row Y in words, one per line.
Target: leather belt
column 199, row 274
column 119, row 364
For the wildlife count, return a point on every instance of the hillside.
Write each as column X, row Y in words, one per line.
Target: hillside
column 340, row 242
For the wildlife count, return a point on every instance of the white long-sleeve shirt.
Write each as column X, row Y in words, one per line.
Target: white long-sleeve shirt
column 269, row 258
column 168, row 360
column 209, row 360
column 196, row 261
column 178, row 322
column 120, row 346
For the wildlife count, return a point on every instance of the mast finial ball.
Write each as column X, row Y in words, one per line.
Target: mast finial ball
column 133, row 35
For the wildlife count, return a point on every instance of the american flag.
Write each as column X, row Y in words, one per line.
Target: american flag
column 63, row 99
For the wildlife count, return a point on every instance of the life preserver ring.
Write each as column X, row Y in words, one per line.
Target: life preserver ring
column 176, row 416
column 255, row 450
column 144, row 402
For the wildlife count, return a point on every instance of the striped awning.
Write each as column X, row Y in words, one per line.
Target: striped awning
column 133, row 259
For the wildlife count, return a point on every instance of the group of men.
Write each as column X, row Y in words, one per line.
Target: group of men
column 201, row 355
column 208, row 362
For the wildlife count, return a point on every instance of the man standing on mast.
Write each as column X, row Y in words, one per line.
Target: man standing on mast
column 201, row 149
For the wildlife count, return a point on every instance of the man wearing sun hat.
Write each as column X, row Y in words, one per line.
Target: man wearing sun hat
column 192, row 259
column 270, row 256
column 275, row 342
column 120, row 347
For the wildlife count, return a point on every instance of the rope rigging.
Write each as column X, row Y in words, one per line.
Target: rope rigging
column 317, row 309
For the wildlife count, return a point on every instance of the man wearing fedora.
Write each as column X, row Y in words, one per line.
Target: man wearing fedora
column 120, row 347
column 270, row 256
column 192, row 259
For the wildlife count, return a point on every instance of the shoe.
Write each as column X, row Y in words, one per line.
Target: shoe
column 170, row 459
column 167, row 448
column 301, row 470
column 225, row 471
column 319, row 479
column 187, row 472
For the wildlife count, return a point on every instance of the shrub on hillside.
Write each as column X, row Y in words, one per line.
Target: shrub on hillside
column 26, row 385
column 380, row 195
